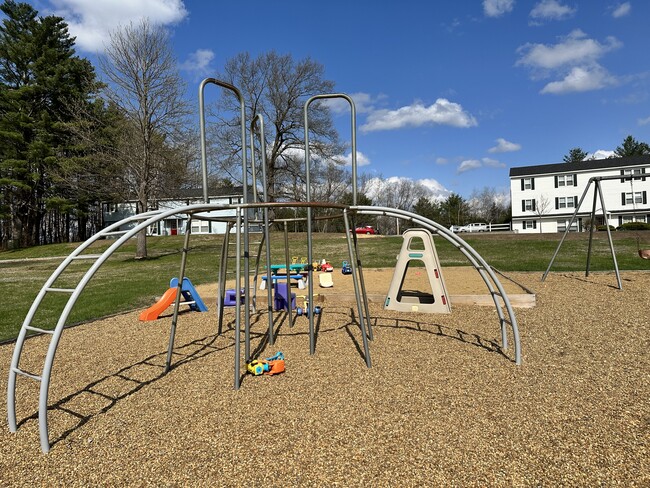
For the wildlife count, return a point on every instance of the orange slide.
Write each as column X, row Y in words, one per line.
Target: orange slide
column 160, row 306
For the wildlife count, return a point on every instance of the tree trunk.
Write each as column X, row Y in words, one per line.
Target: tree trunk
column 141, row 206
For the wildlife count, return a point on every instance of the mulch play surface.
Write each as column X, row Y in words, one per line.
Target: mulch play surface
column 442, row 404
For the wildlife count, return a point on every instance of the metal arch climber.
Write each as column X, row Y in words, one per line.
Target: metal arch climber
column 486, row 272
column 484, row 269
column 241, row 222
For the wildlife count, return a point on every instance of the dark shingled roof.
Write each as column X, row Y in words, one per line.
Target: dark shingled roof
column 581, row 166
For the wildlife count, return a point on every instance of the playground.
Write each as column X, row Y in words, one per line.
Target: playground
column 446, row 397
column 439, row 405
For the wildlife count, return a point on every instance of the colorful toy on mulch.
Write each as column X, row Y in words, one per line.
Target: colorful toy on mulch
column 268, row 366
column 305, row 310
column 346, row 268
column 322, row 265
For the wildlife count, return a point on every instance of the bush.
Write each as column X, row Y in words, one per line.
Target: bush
column 603, row 227
column 634, row 226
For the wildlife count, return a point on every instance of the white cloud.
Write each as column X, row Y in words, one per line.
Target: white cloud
column 581, row 79
column 437, row 189
column 198, row 62
column 551, row 10
column 492, row 163
column 622, row 10
column 574, row 60
column 471, row 164
column 442, row 112
column 362, row 159
column 645, row 121
column 496, row 8
column 468, row 165
column 442, row 160
column 601, row 154
column 363, row 103
column 376, row 187
column 504, row 146
column 92, row 21
column 574, row 48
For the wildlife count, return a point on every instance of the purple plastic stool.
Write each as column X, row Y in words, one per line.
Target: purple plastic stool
column 280, row 299
column 230, row 299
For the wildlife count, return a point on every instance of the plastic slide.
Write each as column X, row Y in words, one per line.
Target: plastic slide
column 153, row 312
column 190, row 294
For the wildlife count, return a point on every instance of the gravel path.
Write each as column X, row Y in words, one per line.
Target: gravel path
column 441, row 405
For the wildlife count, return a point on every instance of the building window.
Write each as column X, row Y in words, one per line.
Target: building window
column 528, row 184
column 566, row 202
column 632, row 198
column 200, row 226
column 561, row 225
column 632, row 218
column 529, row 224
column 528, row 205
column 639, row 174
column 566, row 180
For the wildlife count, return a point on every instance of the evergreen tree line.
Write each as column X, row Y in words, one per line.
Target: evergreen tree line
column 69, row 142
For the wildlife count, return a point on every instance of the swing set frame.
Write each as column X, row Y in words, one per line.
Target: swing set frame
column 598, row 194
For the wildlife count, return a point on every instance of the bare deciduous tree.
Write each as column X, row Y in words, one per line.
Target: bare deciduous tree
column 143, row 81
column 542, row 207
column 277, row 87
column 488, row 205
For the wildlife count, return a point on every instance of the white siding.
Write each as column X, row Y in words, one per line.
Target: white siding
column 558, row 213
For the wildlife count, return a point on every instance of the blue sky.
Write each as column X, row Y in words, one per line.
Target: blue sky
column 452, row 93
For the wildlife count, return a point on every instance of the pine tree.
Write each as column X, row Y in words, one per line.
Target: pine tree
column 632, row 147
column 40, row 78
column 576, row 155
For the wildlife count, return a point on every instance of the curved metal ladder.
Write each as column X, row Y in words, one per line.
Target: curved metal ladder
column 145, row 220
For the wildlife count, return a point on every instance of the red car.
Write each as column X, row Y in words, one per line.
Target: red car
column 366, row 229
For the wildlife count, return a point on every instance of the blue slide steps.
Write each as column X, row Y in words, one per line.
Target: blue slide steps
column 190, row 294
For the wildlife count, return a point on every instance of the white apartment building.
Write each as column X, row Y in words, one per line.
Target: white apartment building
column 544, row 197
column 114, row 212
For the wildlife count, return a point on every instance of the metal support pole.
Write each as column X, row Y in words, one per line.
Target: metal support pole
column 267, row 236
column 179, row 290
column 591, row 227
column 223, row 269
column 362, row 283
column 287, row 270
column 238, row 298
column 609, row 238
column 353, row 145
column 353, row 266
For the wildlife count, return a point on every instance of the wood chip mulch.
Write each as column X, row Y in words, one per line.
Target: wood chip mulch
column 441, row 406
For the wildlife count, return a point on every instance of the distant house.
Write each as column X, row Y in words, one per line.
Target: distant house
column 114, row 212
column 544, row 197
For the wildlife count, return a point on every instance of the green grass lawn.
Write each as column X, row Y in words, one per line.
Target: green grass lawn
column 124, row 283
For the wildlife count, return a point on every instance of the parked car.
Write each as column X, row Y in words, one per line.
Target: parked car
column 366, row 229
column 474, row 227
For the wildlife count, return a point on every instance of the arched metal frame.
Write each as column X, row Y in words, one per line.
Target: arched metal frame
column 241, row 223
